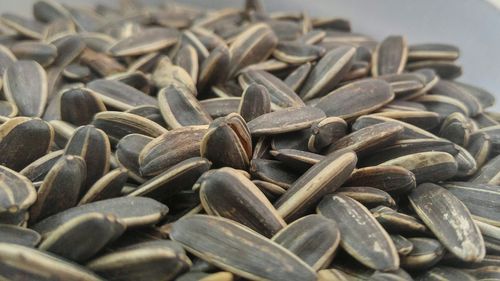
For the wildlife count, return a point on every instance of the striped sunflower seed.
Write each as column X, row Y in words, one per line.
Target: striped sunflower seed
column 19, row 235
column 390, row 56
column 426, row 252
column 361, row 235
column 449, row 219
column 230, row 241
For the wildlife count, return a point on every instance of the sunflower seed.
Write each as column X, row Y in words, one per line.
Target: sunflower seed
column 255, row 102
column 423, row 119
column 455, row 91
column 480, row 148
column 444, row 68
column 79, row 105
column 368, row 196
column 273, row 171
column 433, row 51
column 42, row 53
column 403, row 245
column 18, row 145
column 132, row 211
column 395, row 222
column 24, row 262
column 322, row 178
column 148, row 40
column 284, row 121
column 312, row 238
column 356, row 99
column 215, row 68
column 253, row 45
column 93, row 146
column 105, row 228
column 281, row 95
column 227, row 142
column 18, row 192
column 25, row 86
column 369, row 139
column 392, row 179
column 489, row 173
column 449, row 220
column 23, row 26
column 480, row 200
column 19, row 235
column 127, row 153
column 108, row 186
column 296, row 78
column 177, row 178
column 187, row 58
column 297, row 160
column 329, row 70
column 427, row 166
column 228, row 194
column 390, row 56
column 230, row 241
column 167, row 150
column 153, row 260
column 426, row 252
column 361, row 235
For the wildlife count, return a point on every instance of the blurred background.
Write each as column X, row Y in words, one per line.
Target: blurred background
column 472, row 25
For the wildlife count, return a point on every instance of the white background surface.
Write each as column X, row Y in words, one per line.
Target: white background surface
column 472, row 25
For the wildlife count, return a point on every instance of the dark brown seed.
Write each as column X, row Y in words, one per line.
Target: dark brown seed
column 427, row 166
column 329, row 70
column 72, row 239
column 356, row 99
column 135, row 79
column 480, row 147
column 326, row 132
column 169, row 149
column 19, row 235
column 361, row 235
column 255, row 102
column 37, row 170
column 229, row 241
column 449, row 220
column 433, row 51
column 390, row 56
column 18, row 193
column 100, row 63
column 331, row 275
column 322, row 178
column 403, row 245
column 132, row 211
column 23, row 140
column 93, row 146
column 108, row 186
column 61, row 188
column 455, row 91
column 312, row 238
column 426, row 253
column 466, row 163
column 118, row 124
column 180, row 108
column 220, row 107
column 7, row 58
column 229, row 194
column 445, row 69
column 187, row 58
column 151, row 260
column 281, row 95
column 485, row 98
column 253, row 45
column 177, row 178
column 127, row 153
column 77, row 72
column 297, row 160
column 297, row 52
column 273, row 171
column 392, row 179
column 228, row 142
column 409, row 131
column 410, row 146
column 214, row 68
column 148, row 40
column 446, row 273
column 284, row 121
column 79, row 105
column 395, row 222
column 27, row 263
column 480, row 199
column 42, row 53
column 368, row 196
column 494, row 133
column 23, row 26
column 296, row 79
column 489, row 173
column 119, row 95
column 423, row 119
column 456, row 128
column 25, row 85
column 369, row 139
column 405, row 84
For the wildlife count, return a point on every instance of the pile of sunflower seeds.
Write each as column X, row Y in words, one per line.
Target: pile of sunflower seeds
column 168, row 142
